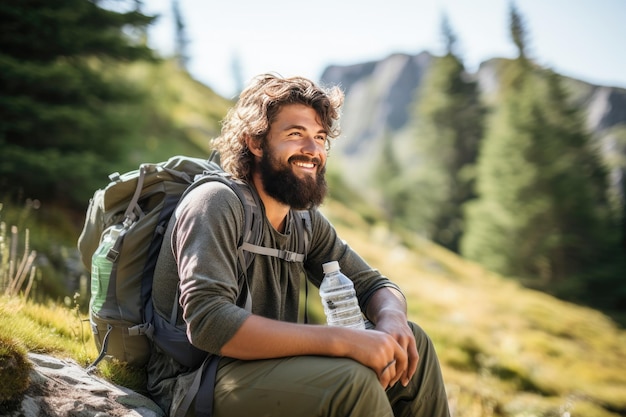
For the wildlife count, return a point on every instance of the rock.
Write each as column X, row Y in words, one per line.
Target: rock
column 62, row 388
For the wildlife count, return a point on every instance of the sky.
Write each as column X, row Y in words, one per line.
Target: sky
column 583, row 39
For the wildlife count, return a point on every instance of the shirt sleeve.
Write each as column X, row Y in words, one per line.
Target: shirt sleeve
column 204, row 243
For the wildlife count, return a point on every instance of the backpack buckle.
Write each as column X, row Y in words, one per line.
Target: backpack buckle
column 291, row 256
column 112, row 254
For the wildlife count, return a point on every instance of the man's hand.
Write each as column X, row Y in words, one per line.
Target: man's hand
column 378, row 351
column 405, row 365
column 387, row 310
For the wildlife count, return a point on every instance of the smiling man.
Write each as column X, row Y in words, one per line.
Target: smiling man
column 292, row 160
column 275, row 140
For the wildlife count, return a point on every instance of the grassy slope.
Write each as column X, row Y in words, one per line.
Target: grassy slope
column 180, row 116
column 505, row 350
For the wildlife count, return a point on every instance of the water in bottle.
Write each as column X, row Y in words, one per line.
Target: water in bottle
column 339, row 298
column 101, row 266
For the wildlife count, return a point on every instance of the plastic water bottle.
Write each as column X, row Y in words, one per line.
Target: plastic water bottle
column 101, row 267
column 339, row 298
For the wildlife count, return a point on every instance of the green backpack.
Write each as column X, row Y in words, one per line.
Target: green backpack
column 139, row 204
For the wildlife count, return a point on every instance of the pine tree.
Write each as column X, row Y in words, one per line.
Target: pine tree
column 519, row 34
column 181, row 40
column 542, row 210
column 449, row 128
column 61, row 115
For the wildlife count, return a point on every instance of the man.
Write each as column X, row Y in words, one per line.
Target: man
column 276, row 139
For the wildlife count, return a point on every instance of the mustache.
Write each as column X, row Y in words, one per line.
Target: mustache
column 304, row 158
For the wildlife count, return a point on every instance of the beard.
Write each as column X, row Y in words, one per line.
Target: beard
column 282, row 184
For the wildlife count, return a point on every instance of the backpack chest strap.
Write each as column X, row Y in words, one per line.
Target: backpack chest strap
column 282, row 254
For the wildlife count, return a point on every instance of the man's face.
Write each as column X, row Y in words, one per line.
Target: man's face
column 293, row 163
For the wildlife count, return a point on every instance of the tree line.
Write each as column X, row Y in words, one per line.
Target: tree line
column 520, row 187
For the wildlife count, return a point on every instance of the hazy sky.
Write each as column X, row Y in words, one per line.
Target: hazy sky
column 579, row 38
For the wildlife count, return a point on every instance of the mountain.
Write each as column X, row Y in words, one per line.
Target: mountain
column 381, row 96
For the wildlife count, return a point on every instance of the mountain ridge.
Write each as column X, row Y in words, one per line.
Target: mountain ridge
column 382, row 94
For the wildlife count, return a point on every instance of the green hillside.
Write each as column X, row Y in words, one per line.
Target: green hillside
column 505, row 350
column 179, row 116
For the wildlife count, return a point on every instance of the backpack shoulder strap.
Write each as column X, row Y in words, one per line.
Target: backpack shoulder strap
column 303, row 230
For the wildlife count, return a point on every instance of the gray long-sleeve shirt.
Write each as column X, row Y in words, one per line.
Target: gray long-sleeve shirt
column 204, row 234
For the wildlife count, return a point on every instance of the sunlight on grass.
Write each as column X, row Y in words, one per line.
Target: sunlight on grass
column 505, row 350
column 51, row 329
column 497, row 341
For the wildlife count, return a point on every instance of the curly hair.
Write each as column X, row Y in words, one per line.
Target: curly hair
column 257, row 108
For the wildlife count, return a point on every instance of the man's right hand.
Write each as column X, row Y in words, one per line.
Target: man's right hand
column 379, row 352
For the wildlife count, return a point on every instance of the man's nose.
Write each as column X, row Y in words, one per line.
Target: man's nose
column 310, row 146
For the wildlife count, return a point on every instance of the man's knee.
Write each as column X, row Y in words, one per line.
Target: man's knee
column 357, row 391
column 300, row 386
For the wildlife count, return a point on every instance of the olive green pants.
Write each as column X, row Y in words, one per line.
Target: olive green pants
column 331, row 387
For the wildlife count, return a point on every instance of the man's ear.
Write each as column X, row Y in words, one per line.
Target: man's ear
column 254, row 146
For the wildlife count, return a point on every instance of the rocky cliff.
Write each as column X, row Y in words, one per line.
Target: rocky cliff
column 379, row 96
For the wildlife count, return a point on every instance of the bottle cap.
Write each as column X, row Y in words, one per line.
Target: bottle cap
column 115, row 232
column 329, row 267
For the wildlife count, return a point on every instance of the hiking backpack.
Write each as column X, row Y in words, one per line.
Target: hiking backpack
column 140, row 203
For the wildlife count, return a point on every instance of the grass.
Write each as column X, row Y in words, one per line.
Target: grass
column 505, row 350
column 51, row 328
column 14, row 370
column 183, row 113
